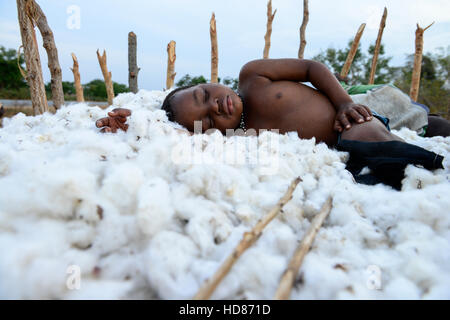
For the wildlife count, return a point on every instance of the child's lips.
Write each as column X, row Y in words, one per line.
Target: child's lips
column 230, row 106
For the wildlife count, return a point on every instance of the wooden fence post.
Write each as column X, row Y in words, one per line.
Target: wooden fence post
column 36, row 14
column 415, row 78
column 133, row 69
column 77, row 79
column 33, row 62
column 214, row 50
column 377, row 47
column 352, row 52
column 171, row 57
column 301, row 50
column 270, row 17
column 107, row 76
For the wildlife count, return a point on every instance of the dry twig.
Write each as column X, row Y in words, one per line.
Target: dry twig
column 107, row 76
column 352, row 52
column 287, row 280
column 133, row 69
column 214, row 50
column 171, row 57
column 248, row 239
column 301, row 50
column 377, row 47
column 270, row 17
column 33, row 61
column 35, row 13
column 415, row 79
column 77, row 79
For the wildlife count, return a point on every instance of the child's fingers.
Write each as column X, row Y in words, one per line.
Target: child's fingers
column 121, row 112
column 365, row 112
column 120, row 119
column 344, row 121
column 102, row 122
column 337, row 126
column 356, row 116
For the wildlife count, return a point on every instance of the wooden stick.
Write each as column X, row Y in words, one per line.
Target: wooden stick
column 133, row 69
column 35, row 13
column 288, row 278
column 377, row 47
column 107, row 76
column 33, row 61
column 171, row 64
column 352, row 52
column 248, row 239
column 270, row 18
column 301, row 50
column 415, row 78
column 77, row 79
column 214, row 50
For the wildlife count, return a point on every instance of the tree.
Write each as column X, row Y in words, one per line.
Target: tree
column 187, row 80
column 360, row 70
column 10, row 74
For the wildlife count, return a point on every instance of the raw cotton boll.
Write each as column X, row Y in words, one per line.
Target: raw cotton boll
column 115, row 231
column 422, row 272
column 253, row 271
column 418, row 178
column 280, row 239
column 121, row 186
column 34, row 262
column 100, row 290
column 439, row 291
column 168, row 262
column 208, row 227
column 80, row 234
column 317, row 270
column 154, row 209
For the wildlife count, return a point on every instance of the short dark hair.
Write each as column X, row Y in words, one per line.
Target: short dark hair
column 167, row 105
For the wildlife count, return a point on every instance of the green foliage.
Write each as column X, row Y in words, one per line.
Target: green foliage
column 10, row 75
column 434, row 85
column 13, row 86
column 187, row 80
column 360, row 69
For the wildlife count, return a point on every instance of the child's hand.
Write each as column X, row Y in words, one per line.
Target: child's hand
column 351, row 112
column 116, row 120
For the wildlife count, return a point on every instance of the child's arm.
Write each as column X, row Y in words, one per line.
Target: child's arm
column 300, row 70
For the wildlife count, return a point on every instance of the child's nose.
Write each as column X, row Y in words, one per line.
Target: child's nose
column 215, row 106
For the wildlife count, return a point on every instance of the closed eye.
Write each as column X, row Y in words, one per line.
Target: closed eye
column 206, row 95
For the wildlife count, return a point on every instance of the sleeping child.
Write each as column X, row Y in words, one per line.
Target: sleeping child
column 271, row 96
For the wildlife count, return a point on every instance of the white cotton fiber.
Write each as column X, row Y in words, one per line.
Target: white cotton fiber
column 152, row 213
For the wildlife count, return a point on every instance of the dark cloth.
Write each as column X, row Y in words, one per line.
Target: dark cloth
column 386, row 160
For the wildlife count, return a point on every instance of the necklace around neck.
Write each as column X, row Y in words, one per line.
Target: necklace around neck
column 242, row 122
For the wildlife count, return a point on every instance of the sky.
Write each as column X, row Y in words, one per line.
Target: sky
column 83, row 26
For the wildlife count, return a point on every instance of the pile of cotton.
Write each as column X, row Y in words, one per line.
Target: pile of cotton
column 152, row 213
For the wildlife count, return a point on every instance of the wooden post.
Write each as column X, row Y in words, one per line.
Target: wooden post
column 248, row 239
column 133, row 69
column 171, row 57
column 35, row 13
column 352, row 52
column 288, row 278
column 377, row 47
column 77, row 79
column 214, row 50
column 415, row 78
column 270, row 18
column 107, row 76
column 33, row 62
column 301, row 50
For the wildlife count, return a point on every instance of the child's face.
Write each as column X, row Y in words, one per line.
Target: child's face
column 215, row 105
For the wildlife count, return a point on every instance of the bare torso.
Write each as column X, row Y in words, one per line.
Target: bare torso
column 289, row 106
